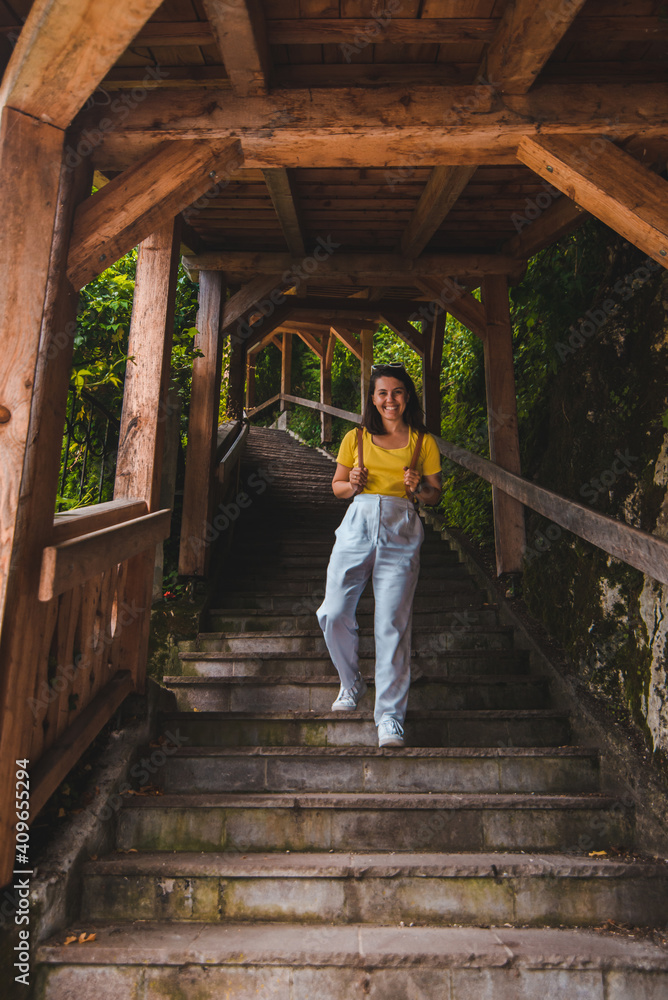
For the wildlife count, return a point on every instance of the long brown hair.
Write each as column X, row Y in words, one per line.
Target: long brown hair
column 412, row 415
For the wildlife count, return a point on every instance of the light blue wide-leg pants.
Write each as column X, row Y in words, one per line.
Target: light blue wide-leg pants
column 379, row 538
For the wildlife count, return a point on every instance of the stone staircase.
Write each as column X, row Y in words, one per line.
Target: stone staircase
column 286, row 856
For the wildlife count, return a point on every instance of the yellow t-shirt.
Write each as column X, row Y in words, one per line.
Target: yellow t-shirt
column 386, row 467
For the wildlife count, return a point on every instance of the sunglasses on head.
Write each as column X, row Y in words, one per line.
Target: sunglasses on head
column 388, row 364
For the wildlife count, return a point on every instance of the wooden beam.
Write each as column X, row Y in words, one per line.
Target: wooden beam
column 529, row 32
column 561, row 218
column 312, row 342
column 63, row 52
column 264, row 325
column 30, row 154
column 366, row 339
column 441, row 191
column 145, row 196
column 348, row 340
column 404, row 329
column 250, row 381
column 286, row 366
column 142, row 431
column 504, row 446
column 38, row 311
column 267, row 288
column 194, row 549
column 71, row 563
column 328, row 342
column 283, row 200
column 383, row 267
column 431, row 374
column 385, row 125
column 398, row 30
column 609, row 183
column 235, row 374
column 240, row 32
column 466, row 309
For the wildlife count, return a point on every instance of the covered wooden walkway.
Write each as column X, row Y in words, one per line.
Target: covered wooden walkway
column 320, row 167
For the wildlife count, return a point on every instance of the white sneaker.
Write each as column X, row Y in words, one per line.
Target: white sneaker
column 390, row 733
column 349, row 698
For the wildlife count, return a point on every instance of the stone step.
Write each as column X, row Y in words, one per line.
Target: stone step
column 425, row 639
column 256, row 619
column 316, row 694
column 462, row 596
column 285, row 556
column 294, row 962
column 517, row 727
column 366, row 769
column 350, row 821
column 458, row 662
column 250, row 577
column 436, row 889
column 453, row 590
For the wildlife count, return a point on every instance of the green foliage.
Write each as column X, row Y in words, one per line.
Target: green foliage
column 98, row 371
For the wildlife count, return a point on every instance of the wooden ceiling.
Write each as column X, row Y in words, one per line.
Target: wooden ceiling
column 385, row 126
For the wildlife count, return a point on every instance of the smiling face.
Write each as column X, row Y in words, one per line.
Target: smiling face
column 390, row 397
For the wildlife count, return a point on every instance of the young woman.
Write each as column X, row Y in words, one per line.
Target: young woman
column 380, row 537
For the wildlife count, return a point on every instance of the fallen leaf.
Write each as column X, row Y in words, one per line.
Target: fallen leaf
column 598, row 854
column 84, row 938
column 70, row 939
column 61, row 813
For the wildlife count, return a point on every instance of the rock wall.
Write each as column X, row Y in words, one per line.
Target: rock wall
column 603, row 440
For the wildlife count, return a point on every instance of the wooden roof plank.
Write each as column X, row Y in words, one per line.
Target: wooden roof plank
column 63, row 52
column 609, row 183
column 241, row 36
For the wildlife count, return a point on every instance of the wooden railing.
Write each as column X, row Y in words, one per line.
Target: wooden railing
column 631, row 545
column 82, row 674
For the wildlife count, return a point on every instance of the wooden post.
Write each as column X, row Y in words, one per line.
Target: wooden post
column 366, row 338
column 194, row 550
column 286, row 368
column 31, row 440
column 141, row 438
column 431, row 374
column 328, row 343
column 504, row 445
column 30, row 158
column 250, row 381
column 235, row 388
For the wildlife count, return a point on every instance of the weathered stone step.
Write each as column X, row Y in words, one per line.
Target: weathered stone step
column 365, row 769
column 274, row 561
column 255, row 619
column 316, row 694
column 250, row 578
column 517, row 727
column 314, row 821
column 425, row 639
column 294, row 962
column 454, row 589
column 457, row 662
column 460, row 596
column 473, row 889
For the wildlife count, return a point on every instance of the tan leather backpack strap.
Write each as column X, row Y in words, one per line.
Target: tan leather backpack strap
column 414, row 461
column 360, row 454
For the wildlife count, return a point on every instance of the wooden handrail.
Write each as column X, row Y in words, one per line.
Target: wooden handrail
column 637, row 548
column 70, row 563
column 354, row 418
column 230, row 458
column 83, row 520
